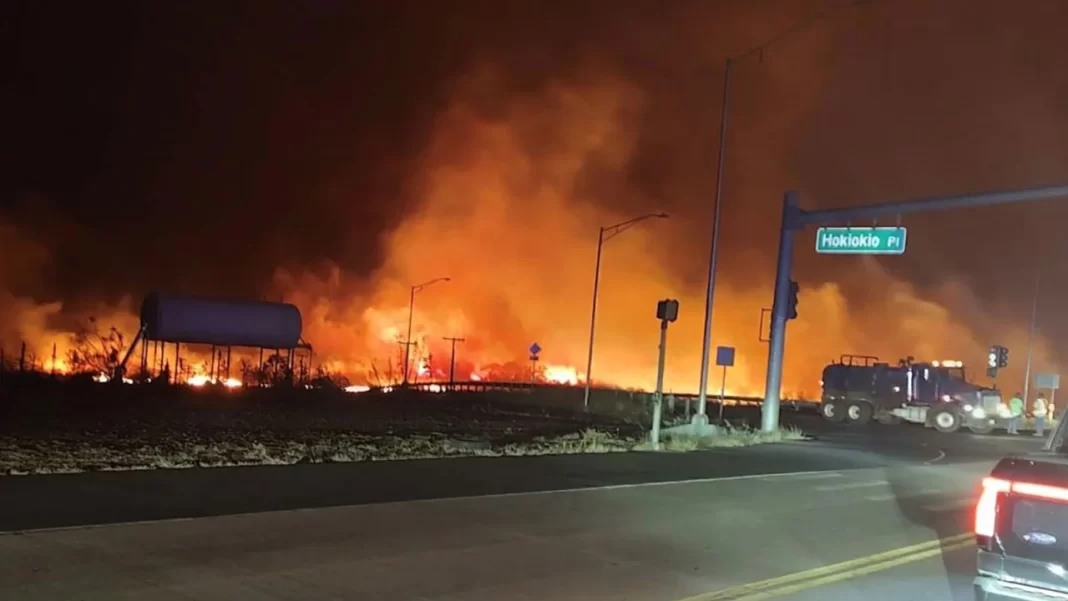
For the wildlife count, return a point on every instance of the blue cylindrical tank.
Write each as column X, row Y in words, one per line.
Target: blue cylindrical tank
column 220, row 322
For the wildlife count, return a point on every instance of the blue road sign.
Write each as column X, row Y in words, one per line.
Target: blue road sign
column 535, row 349
column 725, row 356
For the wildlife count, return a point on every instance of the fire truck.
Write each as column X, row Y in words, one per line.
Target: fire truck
column 860, row 388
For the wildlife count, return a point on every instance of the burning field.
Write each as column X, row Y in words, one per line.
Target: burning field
column 501, row 208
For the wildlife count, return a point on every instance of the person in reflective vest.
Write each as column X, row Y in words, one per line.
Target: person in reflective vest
column 1016, row 411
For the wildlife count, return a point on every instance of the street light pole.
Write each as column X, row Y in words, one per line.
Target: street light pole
column 706, row 345
column 411, row 311
column 1031, row 340
column 605, row 234
column 593, row 319
column 706, row 348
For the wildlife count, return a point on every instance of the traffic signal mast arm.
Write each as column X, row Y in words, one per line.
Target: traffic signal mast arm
column 795, row 218
column 838, row 216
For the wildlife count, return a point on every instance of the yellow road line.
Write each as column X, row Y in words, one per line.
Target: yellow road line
column 863, row 571
column 798, row 581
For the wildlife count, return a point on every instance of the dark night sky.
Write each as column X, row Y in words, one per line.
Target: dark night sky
column 152, row 127
column 163, row 144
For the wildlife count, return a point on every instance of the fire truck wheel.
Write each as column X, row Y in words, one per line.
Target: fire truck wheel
column 833, row 411
column 858, row 412
column 985, row 426
column 946, row 419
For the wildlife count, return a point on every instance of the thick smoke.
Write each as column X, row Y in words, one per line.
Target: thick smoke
column 502, row 213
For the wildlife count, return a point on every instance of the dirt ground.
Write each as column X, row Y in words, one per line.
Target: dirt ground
column 55, row 427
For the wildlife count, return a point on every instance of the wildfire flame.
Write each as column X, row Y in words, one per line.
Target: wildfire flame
column 562, row 374
column 198, row 380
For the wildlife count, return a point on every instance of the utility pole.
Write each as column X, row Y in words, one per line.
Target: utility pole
column 794, row 219
column 452, row 359
column 406, row 355
column 1031, row 340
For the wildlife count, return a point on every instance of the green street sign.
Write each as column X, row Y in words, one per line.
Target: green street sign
column 860, row 240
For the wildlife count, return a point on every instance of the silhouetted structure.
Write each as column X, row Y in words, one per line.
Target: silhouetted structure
column 218, row 322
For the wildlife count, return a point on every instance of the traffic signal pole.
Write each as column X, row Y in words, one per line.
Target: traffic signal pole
column 769, row 420
column 795, row 219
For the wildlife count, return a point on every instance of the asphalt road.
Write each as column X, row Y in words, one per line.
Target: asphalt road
column 642, row 526
column 697, row 541
column 36, row 502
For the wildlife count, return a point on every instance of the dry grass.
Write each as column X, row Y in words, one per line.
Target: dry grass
column 20, row 456
column 731, row 436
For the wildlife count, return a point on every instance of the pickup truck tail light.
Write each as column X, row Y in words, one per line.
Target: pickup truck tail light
column 986, row 509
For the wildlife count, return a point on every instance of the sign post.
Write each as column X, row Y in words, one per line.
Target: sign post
column 861, row 240
column 667, row 311
column 725, row 359
column 534, row 350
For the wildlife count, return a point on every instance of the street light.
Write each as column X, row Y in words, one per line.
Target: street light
column 605, row 234
column 706, row 347
column 411, row 308
column 1031, row 339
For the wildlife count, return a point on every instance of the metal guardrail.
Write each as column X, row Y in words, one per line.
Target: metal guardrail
column 477, row 387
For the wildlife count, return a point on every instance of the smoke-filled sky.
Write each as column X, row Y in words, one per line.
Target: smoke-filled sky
column 334, row 153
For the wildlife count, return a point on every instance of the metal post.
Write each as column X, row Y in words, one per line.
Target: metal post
column 452, row 360
column 722, row 393
column 706, row 347
column 177, row 364
column 228, row 362
column 593, row 319
column 658, row 398
column 1031, row 341
column 408, row 340
column 452, row 365
column 769, row 421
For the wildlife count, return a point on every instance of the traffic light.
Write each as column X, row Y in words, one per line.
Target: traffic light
column 996, row 358
column 791, row 301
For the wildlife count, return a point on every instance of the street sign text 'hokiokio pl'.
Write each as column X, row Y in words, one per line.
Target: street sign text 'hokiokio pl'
column 860, row 240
